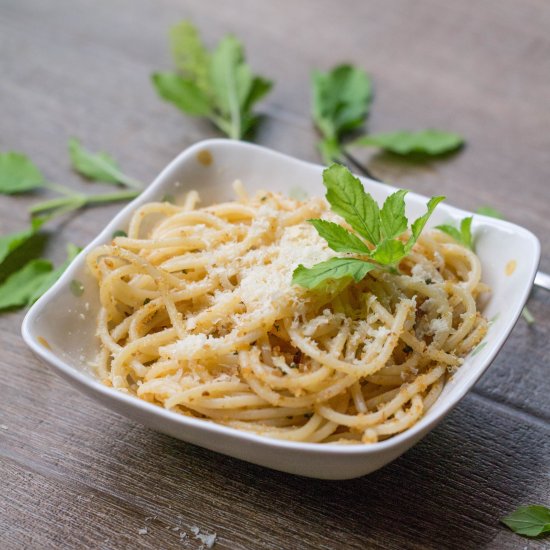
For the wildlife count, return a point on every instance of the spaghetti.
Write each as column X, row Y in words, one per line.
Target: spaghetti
column 198, row 314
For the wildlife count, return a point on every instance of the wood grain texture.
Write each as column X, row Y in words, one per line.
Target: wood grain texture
column 73, row 475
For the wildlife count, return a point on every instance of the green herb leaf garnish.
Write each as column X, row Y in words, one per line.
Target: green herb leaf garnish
column 168, row 198
column 378, row 227
column 462, row 235
column 529, row 521
column 119, row 233
column 77, row 288
column 392, row 216
column 218, row 85
column 427, row 142
column 418, row 225
column 339, row 238
column 341, row 100
column 335, row 268
column 347, row 198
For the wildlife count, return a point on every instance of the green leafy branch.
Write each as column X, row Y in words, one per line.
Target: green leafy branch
column 341, row 103
column 377, row 231
column 24, row 275
column 218, row 85
column 18, row 174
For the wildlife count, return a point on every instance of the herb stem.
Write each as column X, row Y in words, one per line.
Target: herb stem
column 77, row 200
column 60, row 202
column 118, row 175
column 221, row 124
column 527, row 315
column 55, row 213
column 110, row 197
column 234, row 110
column 129, row 182
column 62, row 189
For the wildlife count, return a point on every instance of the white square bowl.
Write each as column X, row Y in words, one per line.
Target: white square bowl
column 60, row 328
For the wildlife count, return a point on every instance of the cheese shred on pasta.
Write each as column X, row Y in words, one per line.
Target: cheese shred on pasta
column 199, row 315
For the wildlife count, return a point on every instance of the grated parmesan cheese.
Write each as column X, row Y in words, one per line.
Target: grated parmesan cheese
column 264, row 274
column 438, row 325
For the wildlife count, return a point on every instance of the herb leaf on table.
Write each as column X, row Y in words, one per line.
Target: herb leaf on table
column 24, row 277
column 99, row 166
column 341, row 102
column 428, row 142
column 18, row 288
column 51, row 278
column 12, row 241
column 18, row 174
column 218, row 85
column 529, row 521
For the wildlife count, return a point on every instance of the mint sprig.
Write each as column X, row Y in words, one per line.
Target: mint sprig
column 24, row 276
column 218, row 84
column 377, row 231
column 18, row 174
column 341, row 101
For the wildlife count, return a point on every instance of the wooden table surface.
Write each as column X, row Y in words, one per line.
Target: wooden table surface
column 74, row 475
